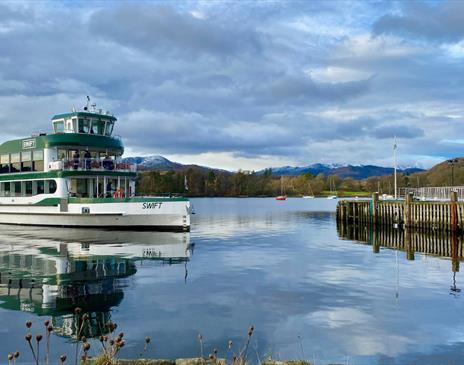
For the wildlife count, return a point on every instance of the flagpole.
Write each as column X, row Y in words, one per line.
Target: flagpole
column 394, row 164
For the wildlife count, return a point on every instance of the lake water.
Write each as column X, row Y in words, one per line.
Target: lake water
column 281, row 266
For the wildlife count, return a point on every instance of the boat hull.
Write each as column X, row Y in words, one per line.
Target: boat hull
column 143, row 214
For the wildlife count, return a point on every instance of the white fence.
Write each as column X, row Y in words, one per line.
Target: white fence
column 434, row 193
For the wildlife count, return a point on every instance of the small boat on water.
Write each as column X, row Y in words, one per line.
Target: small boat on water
column 311, row 196
column 332, row 197
column 76, row 177
column 282, row 195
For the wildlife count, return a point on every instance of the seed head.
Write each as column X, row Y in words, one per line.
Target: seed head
column 38, row 338
column 211, row 357
column 121, row 343
column 121, row 335
column 86, row 346
column 29, row 324
column 46, row 323
column 84, row 339
column 102, row 338
column 111, row 342
column 215, row 351
column 63, row 358
column 16, row 354
column 50, row 328
column 10, row 356
column 85, row 317
column 230, row 344
column 77, row 310
column 200, row 337
column 147, row 340
column 29, row 337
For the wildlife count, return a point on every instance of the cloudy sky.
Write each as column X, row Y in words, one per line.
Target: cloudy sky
column 244, row 84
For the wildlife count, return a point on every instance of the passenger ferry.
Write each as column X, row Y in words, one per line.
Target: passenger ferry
column 75, row 177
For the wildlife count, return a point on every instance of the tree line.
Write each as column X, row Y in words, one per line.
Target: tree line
column 196, row 182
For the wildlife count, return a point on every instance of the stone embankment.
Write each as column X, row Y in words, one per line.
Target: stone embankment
column 200, row 361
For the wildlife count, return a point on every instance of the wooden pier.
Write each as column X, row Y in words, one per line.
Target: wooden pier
column 407, row 213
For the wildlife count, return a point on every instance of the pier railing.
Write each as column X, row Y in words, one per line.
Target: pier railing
column 423, row 215
column 441, row 193
column 92, row 164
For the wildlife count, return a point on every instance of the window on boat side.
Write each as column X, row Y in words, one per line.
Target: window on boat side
column 4, row 164
column 15, row 162
column 50, row 186
column 26, row 161
column 5, row 189
column 59, row 126
column 37, row 160
column 39, row 185
column 27, row 188
column 16, row 188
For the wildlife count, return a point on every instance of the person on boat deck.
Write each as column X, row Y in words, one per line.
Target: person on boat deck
column 88, row 160
column 109, row 189
column 108, row 163
column 76, row 158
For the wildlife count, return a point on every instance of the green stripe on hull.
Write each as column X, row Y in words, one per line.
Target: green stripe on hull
column 56, row 201
column 124, row 200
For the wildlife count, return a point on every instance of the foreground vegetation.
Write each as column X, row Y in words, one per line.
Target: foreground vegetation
column 111, row 342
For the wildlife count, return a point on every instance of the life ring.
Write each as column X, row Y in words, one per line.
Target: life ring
column 118, row 193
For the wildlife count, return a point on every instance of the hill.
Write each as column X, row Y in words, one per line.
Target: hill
column 442, row 174
column 358, row 172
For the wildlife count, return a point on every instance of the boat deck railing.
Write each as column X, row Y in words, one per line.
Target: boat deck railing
column 92, row 164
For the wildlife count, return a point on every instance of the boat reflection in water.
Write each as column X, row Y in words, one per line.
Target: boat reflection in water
column 52, row 271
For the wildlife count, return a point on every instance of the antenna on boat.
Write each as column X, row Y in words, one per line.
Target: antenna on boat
column 86, row 107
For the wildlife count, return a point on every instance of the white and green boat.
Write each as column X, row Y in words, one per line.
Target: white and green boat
column 76, row 177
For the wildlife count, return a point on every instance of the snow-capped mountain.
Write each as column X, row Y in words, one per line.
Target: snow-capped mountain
column 354, row 171
column 154, row 162
column 157, row 162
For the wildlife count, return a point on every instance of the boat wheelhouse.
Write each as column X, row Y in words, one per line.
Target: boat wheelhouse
column 76, row 176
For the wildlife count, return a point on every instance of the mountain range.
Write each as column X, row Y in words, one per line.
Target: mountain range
column 157, row 162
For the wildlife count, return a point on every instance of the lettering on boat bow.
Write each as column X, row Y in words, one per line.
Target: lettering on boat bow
column 156, row 205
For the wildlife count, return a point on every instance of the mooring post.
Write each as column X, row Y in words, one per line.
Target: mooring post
column 375, row 199
column 407, row 210
column 453, row 211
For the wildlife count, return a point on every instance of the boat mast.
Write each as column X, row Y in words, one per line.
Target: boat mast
column 395, row 146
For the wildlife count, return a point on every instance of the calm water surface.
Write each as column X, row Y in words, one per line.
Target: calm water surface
column 280, row 266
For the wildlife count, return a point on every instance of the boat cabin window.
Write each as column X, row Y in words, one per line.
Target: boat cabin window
column 15, row 165
column 98, row 126
column 26, row 161
column 58, row 126
column 27, row 188
column 37, row 160
column 4, row 164
column 109, row 128
column 84, row 125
